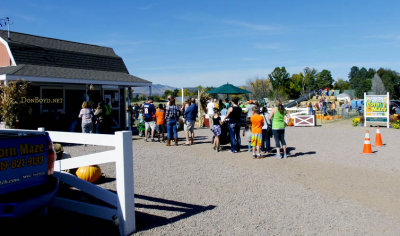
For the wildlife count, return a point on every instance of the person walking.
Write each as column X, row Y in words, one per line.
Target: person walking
column 149, row 113
column 86, row 114
column 266, row 131
column 233, row 117
column 277, row 116
column 172, row 115
column 191, row 115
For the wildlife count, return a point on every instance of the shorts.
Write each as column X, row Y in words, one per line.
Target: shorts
column 189, row 126
column 216, row 130
column 256, row 140
column 151, row 124
column 160, row 128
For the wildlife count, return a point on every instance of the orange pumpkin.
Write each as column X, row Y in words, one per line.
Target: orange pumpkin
column 89, row 173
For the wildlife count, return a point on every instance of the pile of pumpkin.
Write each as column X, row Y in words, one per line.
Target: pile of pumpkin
column 328, row 117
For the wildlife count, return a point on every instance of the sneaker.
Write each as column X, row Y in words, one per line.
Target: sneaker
column 214, row 147
column 232, row 151
column 284, row 156
column 278, row 156
column 259, row 156
column 254, row 155
column 145, row 139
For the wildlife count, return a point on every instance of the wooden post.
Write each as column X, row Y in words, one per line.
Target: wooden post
column 124, row 176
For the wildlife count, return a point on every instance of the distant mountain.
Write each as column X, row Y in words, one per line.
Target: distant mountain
column 157, row 89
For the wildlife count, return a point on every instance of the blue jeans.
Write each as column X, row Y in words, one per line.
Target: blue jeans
column 279, row 136
column 171, row 128
column 87, row 128
column 265, row 144
column 234, row 132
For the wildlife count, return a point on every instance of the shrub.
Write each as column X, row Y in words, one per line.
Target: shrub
column 356, row 121
column 12, row 109
column 396, row 124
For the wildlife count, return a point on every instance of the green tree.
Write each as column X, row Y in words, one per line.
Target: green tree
column 391, row 80
column 324, row 79
column 296, row 85
column 360, row 80
column 175, row 92
column 279, row 79
column 353, row 72
column 260, row 88
column 341, row 85
column 310, row 76
column 167, row 93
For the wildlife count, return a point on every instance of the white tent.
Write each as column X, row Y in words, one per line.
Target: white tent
column 343, row 97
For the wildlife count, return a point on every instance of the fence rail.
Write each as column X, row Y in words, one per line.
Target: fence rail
column 122, row 212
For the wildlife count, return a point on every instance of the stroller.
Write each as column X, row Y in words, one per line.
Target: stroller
column 224, row 138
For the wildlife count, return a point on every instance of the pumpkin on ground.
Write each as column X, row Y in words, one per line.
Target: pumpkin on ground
column 89, row 173
column 291, row 122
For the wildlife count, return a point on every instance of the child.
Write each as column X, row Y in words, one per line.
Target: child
column 247, row 133
column 160, row 117
column 257, row 123
column 140, row 125
column 216, row 128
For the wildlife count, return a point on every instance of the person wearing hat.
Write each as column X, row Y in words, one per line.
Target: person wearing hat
column 149, row 113
column 249, row 109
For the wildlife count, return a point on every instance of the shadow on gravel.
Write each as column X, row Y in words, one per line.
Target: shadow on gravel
column 301, row 154
column 145, row 221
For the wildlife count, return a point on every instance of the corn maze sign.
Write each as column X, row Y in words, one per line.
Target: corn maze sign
column 376, row 109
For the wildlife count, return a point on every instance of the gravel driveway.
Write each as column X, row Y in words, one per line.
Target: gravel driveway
column 325, row 187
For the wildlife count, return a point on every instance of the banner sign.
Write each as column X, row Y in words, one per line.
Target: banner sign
column 23, row 162
column 376, row 109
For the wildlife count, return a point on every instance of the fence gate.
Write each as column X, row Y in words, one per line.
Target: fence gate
column 304, row 120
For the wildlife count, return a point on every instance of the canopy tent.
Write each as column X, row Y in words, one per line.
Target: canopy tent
column 343, row 97
column 228, row 89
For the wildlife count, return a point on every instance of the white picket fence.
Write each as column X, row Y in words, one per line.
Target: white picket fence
column 123, row 211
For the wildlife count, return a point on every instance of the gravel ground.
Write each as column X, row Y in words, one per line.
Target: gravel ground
column 325, row 187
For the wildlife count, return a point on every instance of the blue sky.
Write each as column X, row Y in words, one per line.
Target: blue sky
column 209, row 43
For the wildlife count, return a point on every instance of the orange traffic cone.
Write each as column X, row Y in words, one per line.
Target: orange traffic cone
column 367, row 144
column 378, row 139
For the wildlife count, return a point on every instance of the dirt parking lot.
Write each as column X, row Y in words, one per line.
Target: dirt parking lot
column 325, row 187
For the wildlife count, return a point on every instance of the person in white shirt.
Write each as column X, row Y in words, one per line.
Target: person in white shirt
column 210, row 111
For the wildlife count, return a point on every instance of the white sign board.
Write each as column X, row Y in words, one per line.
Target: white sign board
column 376, row 109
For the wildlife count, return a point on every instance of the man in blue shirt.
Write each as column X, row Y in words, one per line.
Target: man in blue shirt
column 191, row 115
column 149, row 113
